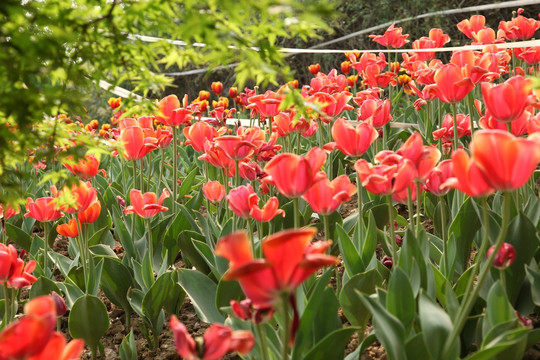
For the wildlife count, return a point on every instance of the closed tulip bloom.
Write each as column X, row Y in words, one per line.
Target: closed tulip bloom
column 505, row 257
column 91, row 214
column 241, row 199
column 7, row 211
column 506, row 161
column 214, row 191
column 197, row 134
column 375, row 112
column 269, row 210
column 292, row 174
column 314, row 69
column 438, row 176
column 468, row 178
column 68, row 230
column 507, row 101
column 217, row 87
column 326, row 196
column 385, row 179
column 166, row 107
column 42, row 209
column 146, row 205
column 136, row 145
column 353, row 141
column 450, row 85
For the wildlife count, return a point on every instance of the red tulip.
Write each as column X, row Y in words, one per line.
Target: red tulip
column 247, row 312
column 346, row 67
column 91, row 214
column 197, row 134
column 506, row 161
column 446, row 132
column 326, row 196
column 216, row 156
column 423, row 157
column 438, row 176
column 292, row 174
column 518, row 127
column 353, row 141
column 331, row 83
column 333, row 105
column 375, row 78
column 439, row 37
column 217, row 87
column 58, row 348
column 43, row 209
column 235, row 147
column 136, row 144
column 146, row 205
column 507, row 101
column 7, row 211
column 375, row 112
column 424, row 43
column 217, row 341
column 13, row 272
column 114, row 102
column 385, row 179
column 214, row 191
column 241, row 199
column 468, row 178
column 472, row 25
column 266, row 105
column 269, row 210
column 392, row 37
column 505, row 257
column 69, row 230
column 450, row 85
column 519, row 28
column 171, row 113
column 290, row 259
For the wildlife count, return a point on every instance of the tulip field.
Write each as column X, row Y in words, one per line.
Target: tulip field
column 392, row 203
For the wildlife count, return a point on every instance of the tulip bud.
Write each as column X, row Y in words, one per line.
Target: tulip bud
column 59, row 303
column 346, row 67
column 233, row 92
column 387, row 261
column 505, row 257
column 217, row 87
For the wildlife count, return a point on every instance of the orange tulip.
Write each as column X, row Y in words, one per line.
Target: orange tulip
column 269, row 210
column 91, row 213
column 507, row 101
column 472, row 25
column 69, row 230
column 197, row 134
column 292, row 174
column 353, row 141
column 136, row 144
column 346, row 67
column 468, row 178
column 326, row 196
column 423, row 157
column 506, row 161
column 519, row 28
column 235, row 147
column 375, row 112
column 314, row 69
column 217, row 87
column 7, row 211
column 214, row 191
column 446, row 132
column 85, row 168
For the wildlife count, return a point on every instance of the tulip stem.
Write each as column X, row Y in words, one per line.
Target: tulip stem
column 456, row 138
column 296, row 206
column 150, row 245
column 141, row 173
column 410, row 208
column 7, row 306
column 502, row 278
column 469, row 301
column 82, row 252
column 391, row 219
column 286, row 327
column 251, row 237
column 360, row 211
column 326, row 223
column 470, row 105
column 161, row 164
column 263, row 346
column 299, row 143
column 418, row 222
column 444, row 235
column 45, row 248
column 175, row 164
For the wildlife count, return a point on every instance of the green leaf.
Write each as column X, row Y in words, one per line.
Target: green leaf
column 202, row 292
column 534, row 278
column 332, row 346
column 227, row 291
column 187, row 183
column 436, row 328
column 351, row 257
column 388, row 328
column 400, row 299
column 498, row 309
column 116, row 280
column 464, row 228
column 354, row 310
column 157, row 296
column 88, row 320
column 191, row 253
column 43, row 286
column 71, row 292
column 18, row 236
column 128, row 348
